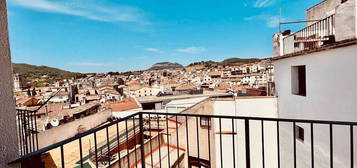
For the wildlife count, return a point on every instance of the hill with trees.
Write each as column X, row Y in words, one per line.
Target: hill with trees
column 42, row 75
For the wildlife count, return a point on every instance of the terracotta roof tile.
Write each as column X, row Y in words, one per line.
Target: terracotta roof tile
column 125, row 104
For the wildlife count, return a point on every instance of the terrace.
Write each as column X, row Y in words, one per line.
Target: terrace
column 148, row 139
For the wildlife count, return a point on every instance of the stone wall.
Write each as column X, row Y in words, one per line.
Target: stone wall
column 8, row 138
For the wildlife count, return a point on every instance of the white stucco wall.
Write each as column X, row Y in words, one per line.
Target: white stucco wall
column 331, row 94
column 8, row 139
column 65, row 131
column 346, row 20
column 322, row 10
column 253, row 107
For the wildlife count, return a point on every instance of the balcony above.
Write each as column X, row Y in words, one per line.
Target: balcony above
column 339, row 26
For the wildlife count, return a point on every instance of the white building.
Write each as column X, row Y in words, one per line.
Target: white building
column 314, row 77
column 18, row 85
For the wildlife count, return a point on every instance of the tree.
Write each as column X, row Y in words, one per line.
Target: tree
column 120, row 81
column 33, row 92
column 28, row 92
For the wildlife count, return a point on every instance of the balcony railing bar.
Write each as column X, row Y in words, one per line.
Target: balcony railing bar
column 331, row 146
column 209, row 142
column 234, row 149
column 168, row 140
column 96, row 149
column 151, row 158
column 351, row 144
column 136, row 156
column 294, row 142
column 177, row 138
column 159, row 139
column 198, row 138
column 312, row 145
column 127, row 141
column 278, row 141
column 263, row 154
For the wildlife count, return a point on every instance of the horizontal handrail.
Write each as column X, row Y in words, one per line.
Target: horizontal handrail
column 258, row 118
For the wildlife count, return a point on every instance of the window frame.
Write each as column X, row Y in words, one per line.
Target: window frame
column 299, row 133
column 298, row 80
column 205, row 122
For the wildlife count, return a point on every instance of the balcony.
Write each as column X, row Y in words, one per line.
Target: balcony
column 149, row 139
column 311, row 37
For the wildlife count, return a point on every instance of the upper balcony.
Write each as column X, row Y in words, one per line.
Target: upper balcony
column 313, row 36
column 150, row 139
column 329, row 23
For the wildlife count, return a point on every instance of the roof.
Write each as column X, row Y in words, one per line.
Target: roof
column 185, row 103
column 166, row 151
column 222, row 86
column 50, row 107
column 339, row 44
column 185, row 87
column 133, row 82
column 135, row 87
column 125, row 104
column 71, row 112
column 168, row 81
column 83, row 108
column 61, row 93
column 216, row 73
column 25, row 101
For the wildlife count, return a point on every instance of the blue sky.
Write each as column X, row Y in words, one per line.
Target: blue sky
column 122, row 35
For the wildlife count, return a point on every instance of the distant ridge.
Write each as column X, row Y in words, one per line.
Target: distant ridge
column 240, row 60
column 229, row 61
column 165, row 65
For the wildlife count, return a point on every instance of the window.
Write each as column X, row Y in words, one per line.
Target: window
column 205, row 122
column 298, row 80
column 299, row 131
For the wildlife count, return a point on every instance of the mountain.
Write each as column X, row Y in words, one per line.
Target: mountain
column 33, row 72
column 239, row 60
column 229, row 61
column 165, row 65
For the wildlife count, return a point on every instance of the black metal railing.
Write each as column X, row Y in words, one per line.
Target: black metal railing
column 188, row 140
column 27, row 127
column 313, row 36
column 27, row 131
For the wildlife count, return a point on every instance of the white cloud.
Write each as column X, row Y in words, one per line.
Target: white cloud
column 270, row 21
column 263, row 3
column 153, row 50
column 88, row 9
column 91, row 64
column 191, row 50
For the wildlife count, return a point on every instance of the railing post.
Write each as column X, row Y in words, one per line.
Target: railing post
column 247, row 143
column 142, row 151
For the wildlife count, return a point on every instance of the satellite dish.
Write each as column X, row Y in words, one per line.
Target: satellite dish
column 55, row 122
